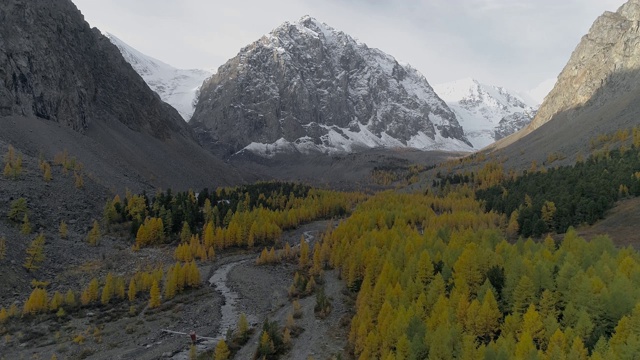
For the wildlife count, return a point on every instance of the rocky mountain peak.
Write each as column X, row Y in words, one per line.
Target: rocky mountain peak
column 608, row 56
column 630, row 10
column 308, row 87
column 55, row 67
column 486, row 112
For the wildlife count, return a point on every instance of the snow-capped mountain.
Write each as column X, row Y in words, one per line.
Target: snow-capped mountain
column 308, row 87
column 177, row 87
column 487, row 113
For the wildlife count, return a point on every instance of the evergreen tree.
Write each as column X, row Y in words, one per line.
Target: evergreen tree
column 18, row 210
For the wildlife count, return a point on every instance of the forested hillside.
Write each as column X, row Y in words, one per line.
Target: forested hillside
column 548, row 198
column 435, row 278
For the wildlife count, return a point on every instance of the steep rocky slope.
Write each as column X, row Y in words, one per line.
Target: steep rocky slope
column 177, row 87
column 57, row 71
column 307, row 87
column 597, row 92
column 486, row 113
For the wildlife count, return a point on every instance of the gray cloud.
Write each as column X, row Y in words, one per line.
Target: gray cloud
column 514, row 43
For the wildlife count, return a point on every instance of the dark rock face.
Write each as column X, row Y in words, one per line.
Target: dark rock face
column 317, row 88
column 55, row 70
column 54, row 66
column 512, row 123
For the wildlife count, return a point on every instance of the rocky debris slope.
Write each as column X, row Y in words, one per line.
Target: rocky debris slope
column 487, row 113
column 308, row 87
column 177, row 87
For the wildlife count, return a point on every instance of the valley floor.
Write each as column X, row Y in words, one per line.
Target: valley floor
column 262, row 293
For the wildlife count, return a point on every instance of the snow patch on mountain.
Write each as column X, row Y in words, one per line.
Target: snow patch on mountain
column 486, row 112
column 344, row 140
column 177, row 87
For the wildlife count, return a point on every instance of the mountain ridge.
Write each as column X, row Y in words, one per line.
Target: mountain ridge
column 486, row 112
column 60, row 77
column 177, row 87
column 308, row 87
column 596, row 92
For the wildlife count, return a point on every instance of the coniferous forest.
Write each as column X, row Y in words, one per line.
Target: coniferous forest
column 481, row 265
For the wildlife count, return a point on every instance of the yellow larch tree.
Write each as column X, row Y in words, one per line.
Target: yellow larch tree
column 108, row 289
column 13, row 163
column 57, row 300
column 131, row 293
column 222, row 351
column 3, row 248
column 4, row 315
column 70, row 299
column 90, row 293
column 63, row 229
column 37, row 302
column 185, row 233
column 93, row 238
column 304, row 253
column 35, row 253
column 154, row 295
column 25, row 229
column 46, row 171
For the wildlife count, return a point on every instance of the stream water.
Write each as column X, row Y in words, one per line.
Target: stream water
column 228, row 311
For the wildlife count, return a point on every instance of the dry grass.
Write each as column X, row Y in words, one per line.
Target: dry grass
column 621, row 224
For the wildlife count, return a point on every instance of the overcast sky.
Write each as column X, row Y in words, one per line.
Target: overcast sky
column 512, row 43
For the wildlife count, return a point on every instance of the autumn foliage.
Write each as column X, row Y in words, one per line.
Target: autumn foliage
column 435, row 278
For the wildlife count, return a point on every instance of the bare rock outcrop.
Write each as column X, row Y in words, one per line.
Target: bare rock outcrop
column 607, row 56
column 306, row 86
column 54, row 66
